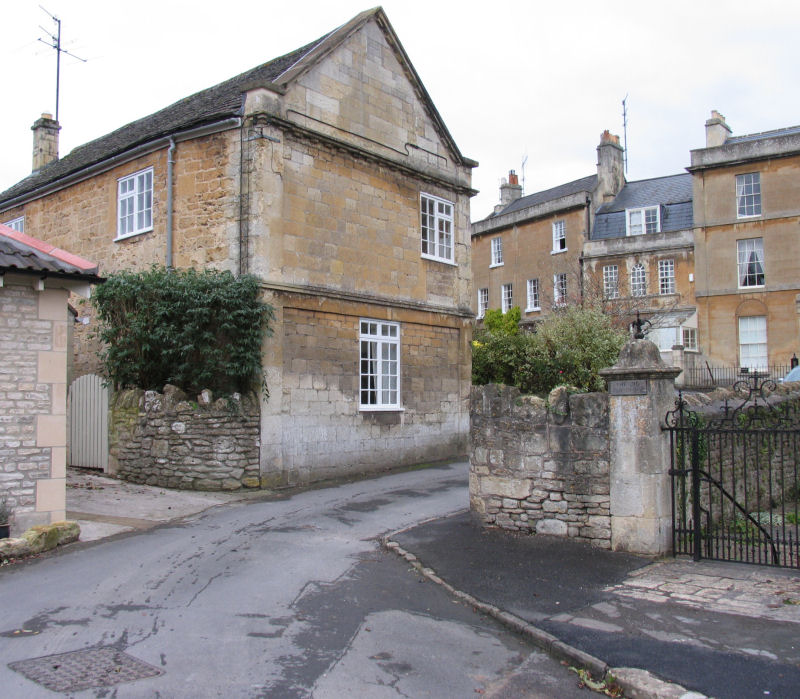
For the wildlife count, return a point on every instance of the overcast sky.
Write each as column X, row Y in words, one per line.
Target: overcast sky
column 510, row 79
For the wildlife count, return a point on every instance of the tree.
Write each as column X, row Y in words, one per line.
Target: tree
column 569, row 347
column 192, row 329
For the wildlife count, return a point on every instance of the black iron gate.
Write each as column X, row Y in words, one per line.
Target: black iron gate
column 736, row 477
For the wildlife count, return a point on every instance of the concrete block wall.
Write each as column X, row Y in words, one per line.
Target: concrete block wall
column 33, row 419
column 541, row 466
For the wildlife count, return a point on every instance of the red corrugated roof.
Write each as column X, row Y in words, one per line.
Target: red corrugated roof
column 82, row 265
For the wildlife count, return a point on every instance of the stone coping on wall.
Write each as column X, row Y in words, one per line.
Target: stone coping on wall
column 166, row 439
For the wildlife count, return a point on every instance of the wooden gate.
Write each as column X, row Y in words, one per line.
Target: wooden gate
column 88, row 422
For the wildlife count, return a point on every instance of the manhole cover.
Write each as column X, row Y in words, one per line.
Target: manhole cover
column 82, row 669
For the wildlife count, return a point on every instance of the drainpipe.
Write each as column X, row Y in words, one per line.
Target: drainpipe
column 170, row 164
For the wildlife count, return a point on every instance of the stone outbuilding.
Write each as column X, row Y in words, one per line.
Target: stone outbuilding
column 329, row 174
column 36, row 280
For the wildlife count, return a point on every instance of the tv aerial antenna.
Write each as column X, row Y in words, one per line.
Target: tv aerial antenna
column 55, row 42
column 625, row 130
column 524, row 161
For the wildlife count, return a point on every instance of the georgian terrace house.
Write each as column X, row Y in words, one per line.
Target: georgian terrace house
column 329, row 174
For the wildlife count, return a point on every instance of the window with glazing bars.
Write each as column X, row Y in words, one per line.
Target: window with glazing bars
column 750, row 260
column 748, row 194
column 559, row 236
column 533, row 295
column 379, row 365
column 611, row 281
column 666, row 276
column 483, row 302
column 638, row 280
column 559, row 289
column 507, row 296
column 436, row 222
column 135, row 203
column 497, row 252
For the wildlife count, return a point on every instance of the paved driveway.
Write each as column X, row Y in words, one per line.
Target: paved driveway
column 289, row 598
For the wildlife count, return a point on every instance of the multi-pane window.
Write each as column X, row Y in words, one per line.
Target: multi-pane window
column 750, row 256
column 645, row 220
column 507, row 296
column 611, row 281
column 436, row 221
column 533, row 295
column 135, row 203
column 748, row 194
column 638, row 280
column 753, row 342
column 666, row 276
column 497, row 252
column 483, row 302
column 559, row 289
column 559, row 236
column 17, row 224
column 690, row 339
column 379, row 365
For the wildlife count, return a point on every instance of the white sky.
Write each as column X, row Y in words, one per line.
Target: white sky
column 509, row 78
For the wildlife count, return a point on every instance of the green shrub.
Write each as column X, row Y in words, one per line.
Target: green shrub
column 192, row 329
column 568, row 348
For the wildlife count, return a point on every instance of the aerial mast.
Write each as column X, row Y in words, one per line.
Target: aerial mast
column 56, row 44
column 625, row 131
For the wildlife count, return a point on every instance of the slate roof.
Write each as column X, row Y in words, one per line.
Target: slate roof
column 28, row 254
column 585, row 184
column 205, row 107
column 210, row 106
column 787, row 131
column 672, row 193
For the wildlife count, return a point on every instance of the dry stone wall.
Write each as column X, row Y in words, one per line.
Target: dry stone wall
column 541, row 466
column 166, row 440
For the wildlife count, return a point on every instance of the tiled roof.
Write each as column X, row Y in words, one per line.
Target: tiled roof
column 27, row 254
column 673, row 194
column 585, row 184
column 787, row 131
column 205, row 107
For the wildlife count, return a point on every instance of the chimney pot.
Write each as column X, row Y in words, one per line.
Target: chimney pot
column 509, row 191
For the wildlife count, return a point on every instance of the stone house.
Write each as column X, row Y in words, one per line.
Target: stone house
column 708, row 256
column 640, row 258
column 36, row 280
column 746, row 213
column 528, row 252
column 329, row 174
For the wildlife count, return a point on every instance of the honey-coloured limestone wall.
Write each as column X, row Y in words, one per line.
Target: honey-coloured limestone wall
column 33, row 415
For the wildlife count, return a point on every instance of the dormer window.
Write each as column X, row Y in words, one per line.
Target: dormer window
column 644, row 220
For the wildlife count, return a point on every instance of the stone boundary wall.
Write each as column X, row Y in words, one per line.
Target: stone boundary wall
column 164, row 439
column 541, row 466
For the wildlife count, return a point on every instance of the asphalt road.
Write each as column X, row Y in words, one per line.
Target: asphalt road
column 287, row 598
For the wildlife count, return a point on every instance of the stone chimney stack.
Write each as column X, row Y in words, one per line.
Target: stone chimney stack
column 610, row 167
column 45, row 141
column 510, row 190
column 717, row 131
